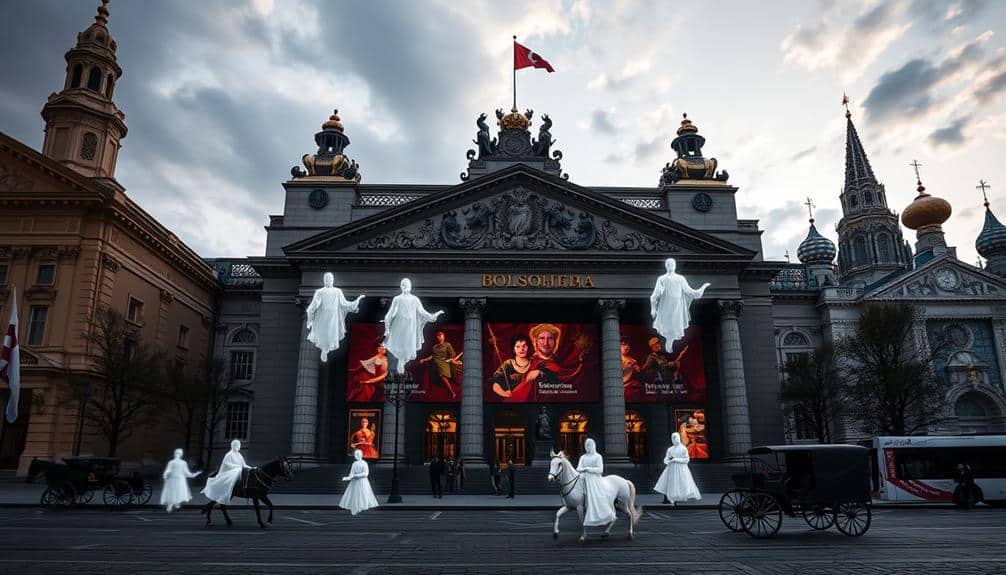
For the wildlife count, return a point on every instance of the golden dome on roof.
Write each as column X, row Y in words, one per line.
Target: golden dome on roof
column 925, row 210
column 333, row 122
column 515, row 121
column 687, row 127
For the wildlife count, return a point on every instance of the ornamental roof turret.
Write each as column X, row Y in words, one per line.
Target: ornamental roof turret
column 513, row 144
column 925, row 211
column 815, row 248
column 690, row 165
column 329, row 161
column 992, row 241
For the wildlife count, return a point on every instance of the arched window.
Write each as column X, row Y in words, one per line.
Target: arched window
column 795, row 339
column 108, row 86
column 635, row 436
column 94, row 79
column 572, row 433
column 244, row 337
column 859, row 253
column 969, row 406
column 854, row 201
column 441, row 435
column 78, row 72
column 884, row 248
column 867, row 198
column 88, row 146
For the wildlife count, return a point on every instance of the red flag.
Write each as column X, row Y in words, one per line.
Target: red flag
column 523, row 57
column 10, row 361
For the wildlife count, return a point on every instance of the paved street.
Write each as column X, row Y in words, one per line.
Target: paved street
column 689, row 542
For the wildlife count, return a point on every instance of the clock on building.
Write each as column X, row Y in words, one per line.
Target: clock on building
column 946, row 279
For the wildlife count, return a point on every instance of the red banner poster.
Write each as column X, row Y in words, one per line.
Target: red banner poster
column 364, row 432
column 651, row 375
column 435, row 373
column 540, row 362
column 692, row 427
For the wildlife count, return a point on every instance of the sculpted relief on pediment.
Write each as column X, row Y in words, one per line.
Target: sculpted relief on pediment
column 946, row 281
column 518, row 219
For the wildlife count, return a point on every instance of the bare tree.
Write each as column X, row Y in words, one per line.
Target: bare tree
column 127, row 393
column 188, row 394
column 812, row 393
column 218, row 388
column 892, row 387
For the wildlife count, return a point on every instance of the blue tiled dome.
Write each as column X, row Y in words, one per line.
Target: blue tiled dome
column 816, row 249
column 992, row 240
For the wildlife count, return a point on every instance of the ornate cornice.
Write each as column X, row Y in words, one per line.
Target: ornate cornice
column 111, row 264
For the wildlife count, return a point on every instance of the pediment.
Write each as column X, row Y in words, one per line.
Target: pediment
column 517, row 209
column 943, row 278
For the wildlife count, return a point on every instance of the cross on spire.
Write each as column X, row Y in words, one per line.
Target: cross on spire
column 984, row 186
column 845, row 102
column 810, row 208
column 915, row 164
column 787, row 256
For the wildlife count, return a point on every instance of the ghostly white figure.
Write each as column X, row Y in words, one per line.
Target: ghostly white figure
column 669, row 304
column 600, row 496
column 358, row 496
column 403, row 326
column 326, row 316
column 220, row 487
column 176, row 483
column 676, row 481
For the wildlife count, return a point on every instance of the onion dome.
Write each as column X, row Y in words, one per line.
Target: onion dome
column 815, row 248
column 515, row 120
column 925, row 211
column 992, row 241
column 97, row 34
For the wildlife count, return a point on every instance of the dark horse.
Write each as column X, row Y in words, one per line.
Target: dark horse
column 254, row 484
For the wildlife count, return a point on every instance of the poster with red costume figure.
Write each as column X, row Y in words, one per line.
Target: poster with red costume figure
column 650, row 373
column 692, row 427
column 364, row 429
column 540, row 362
column 436, row 371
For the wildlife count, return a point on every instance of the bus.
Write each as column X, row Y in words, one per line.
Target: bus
column 922, row 468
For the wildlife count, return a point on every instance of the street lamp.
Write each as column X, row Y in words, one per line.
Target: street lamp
column 396, row 394
column 82, row 389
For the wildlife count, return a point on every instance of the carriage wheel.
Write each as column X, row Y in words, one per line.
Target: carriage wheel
column 761, row 515
column 86, row 497
column 819, row 517
column 144, row 492
column 853, row 519
column 117, row 493
column 729, row 513
column 59, row 496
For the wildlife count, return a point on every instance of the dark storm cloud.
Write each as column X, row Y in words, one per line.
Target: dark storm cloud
column 952, row 134
column 600, row 121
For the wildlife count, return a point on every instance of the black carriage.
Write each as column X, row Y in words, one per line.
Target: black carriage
column 827, row 485
column 76, row 480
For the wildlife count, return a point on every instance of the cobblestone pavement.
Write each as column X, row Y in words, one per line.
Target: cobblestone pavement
column 692, row 542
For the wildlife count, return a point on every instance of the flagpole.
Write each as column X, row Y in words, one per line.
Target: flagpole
column 515, row 72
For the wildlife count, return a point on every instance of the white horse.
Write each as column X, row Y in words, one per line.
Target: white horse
column 573, row 494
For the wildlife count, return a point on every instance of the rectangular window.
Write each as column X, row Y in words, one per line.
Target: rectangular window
column 135, row 310
column 183, row 337
column 237, row 420
column 37, row 315
column 46, row 274
column 941, row 462
column 3, row 274
column 242, row 365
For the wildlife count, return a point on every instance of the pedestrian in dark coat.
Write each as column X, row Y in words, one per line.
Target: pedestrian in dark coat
column 451, row 471
column 461, row 476
column 966, row 494
column 436, row 471
column 511, row 475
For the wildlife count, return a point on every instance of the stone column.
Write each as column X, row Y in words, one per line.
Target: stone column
column 615, row 449
column 471, row 387
column 305, row 402
column 735, row 398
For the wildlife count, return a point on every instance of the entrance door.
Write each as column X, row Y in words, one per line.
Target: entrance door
column 572, row 434
column 509, row 444
column 13, row 435
column 441, row 435
column 635, row 436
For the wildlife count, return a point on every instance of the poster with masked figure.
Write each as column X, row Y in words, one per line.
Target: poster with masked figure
column 651, row 374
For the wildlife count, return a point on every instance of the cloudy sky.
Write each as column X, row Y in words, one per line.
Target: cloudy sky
column 223, row 97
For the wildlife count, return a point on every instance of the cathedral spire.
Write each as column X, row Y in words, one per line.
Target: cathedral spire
column 991, row 242
column 858, row 173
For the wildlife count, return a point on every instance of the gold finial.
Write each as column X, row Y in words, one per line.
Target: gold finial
column 687, row 126
column 333, row 122
column 810, row 208
column 918, row 178
column 102, row 17
column 983, row 186
column 845, row 102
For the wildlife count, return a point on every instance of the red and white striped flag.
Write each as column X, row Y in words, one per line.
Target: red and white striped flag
column 10, row 362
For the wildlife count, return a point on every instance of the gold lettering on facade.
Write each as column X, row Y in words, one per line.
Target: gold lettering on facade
column 546, row 281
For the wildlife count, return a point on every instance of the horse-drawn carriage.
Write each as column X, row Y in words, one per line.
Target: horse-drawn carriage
column 826, row 484
column 75, row 480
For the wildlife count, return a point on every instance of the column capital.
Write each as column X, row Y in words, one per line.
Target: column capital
column 111, row 264
column 731, row 308
column 473, row 306
column 609, row 308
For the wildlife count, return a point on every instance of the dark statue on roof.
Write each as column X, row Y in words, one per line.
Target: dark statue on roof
column 513, row 144
column 690, row 165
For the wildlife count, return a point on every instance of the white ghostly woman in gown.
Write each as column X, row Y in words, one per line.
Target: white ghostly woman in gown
column 220, row 487
column 403, row 326
column 358, row 496
column 176, row 483
column 600, row 498
column 326, row 316
column 669, row 304
column 676, row 481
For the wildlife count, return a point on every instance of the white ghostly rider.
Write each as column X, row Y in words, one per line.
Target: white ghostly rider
column 669, row 304
column 220, row 487
column 600, row 497
column 326, row 316
column 403, row 326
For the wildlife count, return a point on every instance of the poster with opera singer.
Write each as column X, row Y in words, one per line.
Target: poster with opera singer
column 540, row 362
column 364, row 432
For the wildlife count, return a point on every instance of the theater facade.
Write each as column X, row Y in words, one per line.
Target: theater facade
column 525, row 263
